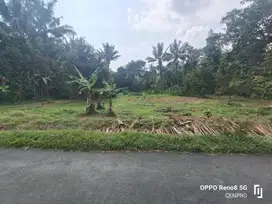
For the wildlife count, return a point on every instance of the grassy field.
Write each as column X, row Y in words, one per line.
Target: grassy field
column 67, row 114
column 138, row 114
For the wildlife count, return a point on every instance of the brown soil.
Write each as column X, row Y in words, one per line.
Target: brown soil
column 132, row 99
column 3, row 127
column 195, row 109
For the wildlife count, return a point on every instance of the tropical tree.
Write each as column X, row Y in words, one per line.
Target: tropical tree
column 31, row 19
column 109, row 91
column 31, row 40
column 108, row 53
column 86, row 86
column 176, row 51
column 159, row 56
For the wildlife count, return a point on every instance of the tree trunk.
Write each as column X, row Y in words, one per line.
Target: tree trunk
column 100, row 104
column 160, row 70
column 46, row 90
column 176, row 74
column 90, row 109
column 111, row 112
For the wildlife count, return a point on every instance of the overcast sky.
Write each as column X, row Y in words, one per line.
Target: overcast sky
column 133, row 26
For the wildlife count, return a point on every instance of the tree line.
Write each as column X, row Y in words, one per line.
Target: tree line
column 39, row 57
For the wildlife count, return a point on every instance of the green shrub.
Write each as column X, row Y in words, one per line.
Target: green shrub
column 207, row 113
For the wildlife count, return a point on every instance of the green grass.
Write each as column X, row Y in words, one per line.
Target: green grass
column 42, row 125
column 80, row 140
column 66, row 114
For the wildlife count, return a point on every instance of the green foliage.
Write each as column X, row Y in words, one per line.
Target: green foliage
column 264, row 111
column 84, row 85
column 4, row 89
column 207, row 113
column 261, row 87
column 38, row 55
column 193, row 84
column 268, row 60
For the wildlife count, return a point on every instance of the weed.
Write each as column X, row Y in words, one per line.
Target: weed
column 264, row 111
column 208, row 113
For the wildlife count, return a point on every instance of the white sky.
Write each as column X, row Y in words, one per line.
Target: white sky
column 133, row 26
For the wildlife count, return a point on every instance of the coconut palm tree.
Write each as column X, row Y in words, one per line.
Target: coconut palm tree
column 31, row 19
column 159, row 56
column 108, row 53
column 176, row 51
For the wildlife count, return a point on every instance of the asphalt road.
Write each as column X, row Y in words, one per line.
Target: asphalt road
column 48, row 177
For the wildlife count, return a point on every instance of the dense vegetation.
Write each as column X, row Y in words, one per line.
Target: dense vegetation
column 38, row 56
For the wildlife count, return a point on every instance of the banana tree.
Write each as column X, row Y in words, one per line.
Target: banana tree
column 86, row 86
column 4, row 89
column 101, row 97
column 109, row 91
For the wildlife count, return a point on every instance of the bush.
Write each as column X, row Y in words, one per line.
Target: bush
column 261, row 87
column 8, row 97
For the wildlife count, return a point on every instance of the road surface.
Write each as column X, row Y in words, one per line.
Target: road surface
column 49, row 177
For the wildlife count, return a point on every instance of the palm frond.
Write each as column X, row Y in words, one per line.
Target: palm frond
column 61, row 31
column 16, row 8
column 175, row 47
column 150, row 59
column 4, row 28
column 51, row 5
column 115, row 52
column 160, row 49
column 166, row 57
column 109, row 53
column 171, row 63
column 155, row 52
column 4, row 11
column 55, row 22
column 116, row 57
